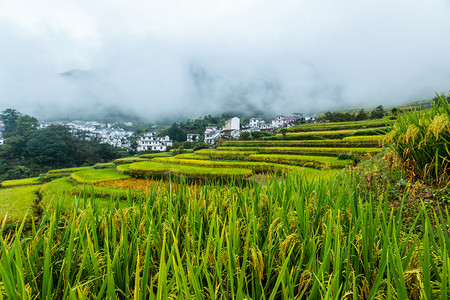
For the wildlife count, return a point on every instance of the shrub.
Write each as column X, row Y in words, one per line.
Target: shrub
column 344, row 156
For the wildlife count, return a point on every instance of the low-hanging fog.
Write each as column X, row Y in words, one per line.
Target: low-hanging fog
column 166, row 58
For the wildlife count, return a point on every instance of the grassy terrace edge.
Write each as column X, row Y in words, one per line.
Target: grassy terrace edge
column 153, row 168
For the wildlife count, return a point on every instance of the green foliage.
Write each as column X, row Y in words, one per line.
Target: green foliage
column 201, row 145
column 46, row 148
column 25, row 125
column 175, row 133
column 9, row 117
column 17, row 203
column 378, row 112
column 94, row 176
column 29, row 152
column 244, row 136
column 362, row 115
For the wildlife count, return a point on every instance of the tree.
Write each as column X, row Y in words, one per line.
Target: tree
column 46, row 148
column 9, row 117
column 25, row 125
column 283, row 131
column 362, row 115
column 14, row 147
column 175, row 133
column 244, row 136
column 395, row 111
column 378, row 112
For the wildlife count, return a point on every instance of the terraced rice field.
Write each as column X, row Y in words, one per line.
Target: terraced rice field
column 337, row 126
column 94, row 176
column 152, row 168
column 17, row 202
column 233, row 159
column 345, row 139
column 20, row 182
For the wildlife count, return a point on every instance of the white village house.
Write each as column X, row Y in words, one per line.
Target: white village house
column 150, row 141
column 257, row 124
column 212, row 134
column 193, row 137
column 232, row 126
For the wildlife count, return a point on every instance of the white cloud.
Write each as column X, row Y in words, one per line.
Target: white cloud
column 281, row 56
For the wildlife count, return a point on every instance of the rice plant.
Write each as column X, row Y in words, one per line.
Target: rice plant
column 421, row 139
column 294, row 238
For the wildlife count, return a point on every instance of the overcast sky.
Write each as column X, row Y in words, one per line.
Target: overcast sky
column 163, row 58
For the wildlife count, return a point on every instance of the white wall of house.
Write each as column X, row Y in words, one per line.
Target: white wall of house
column 233, row 123
column 193, row 137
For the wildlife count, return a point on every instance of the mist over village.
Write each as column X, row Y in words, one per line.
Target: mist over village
column 224, row 149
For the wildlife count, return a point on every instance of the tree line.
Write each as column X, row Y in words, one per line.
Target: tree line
column 377, row 113
column 29, row 151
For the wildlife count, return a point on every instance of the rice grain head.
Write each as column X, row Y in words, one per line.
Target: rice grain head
column 411, row 133
column 390, row 137
column 440, row 123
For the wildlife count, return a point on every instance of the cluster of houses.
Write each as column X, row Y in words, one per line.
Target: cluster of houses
column 107, row 133
column 115, row 136
column 119, row 137
column 233, row 129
